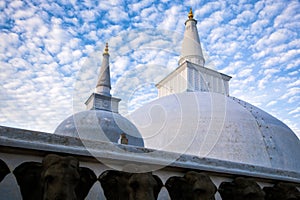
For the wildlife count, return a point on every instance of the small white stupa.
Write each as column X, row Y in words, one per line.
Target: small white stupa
column 102, row 120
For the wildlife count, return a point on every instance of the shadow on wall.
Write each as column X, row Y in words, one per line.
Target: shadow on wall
column 61, row 178
column 4, row 170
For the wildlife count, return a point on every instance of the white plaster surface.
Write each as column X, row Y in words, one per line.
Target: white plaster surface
column 99, row 125
column 9, row 188
column 191, row 48
column 213, row 125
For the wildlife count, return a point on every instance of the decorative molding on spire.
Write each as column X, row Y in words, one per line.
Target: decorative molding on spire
column 100, row 102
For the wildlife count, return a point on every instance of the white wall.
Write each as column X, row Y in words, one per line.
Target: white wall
column 191, row 77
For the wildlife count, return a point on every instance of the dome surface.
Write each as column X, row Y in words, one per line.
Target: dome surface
column 99, row 125
column 217, row 126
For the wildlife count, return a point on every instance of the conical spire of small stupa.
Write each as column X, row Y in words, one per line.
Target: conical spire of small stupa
column 191, row 47
column 103, row 85
column 101, row 99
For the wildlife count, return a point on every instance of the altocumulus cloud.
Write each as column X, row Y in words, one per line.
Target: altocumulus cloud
column 51, row 52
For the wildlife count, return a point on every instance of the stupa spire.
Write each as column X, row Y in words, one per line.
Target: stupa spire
column 191, row 47
column 103, row 85
column 190, row 15
column 101, row 99
column 106, row 49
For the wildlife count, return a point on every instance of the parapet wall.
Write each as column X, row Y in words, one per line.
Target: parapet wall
column 106, row 159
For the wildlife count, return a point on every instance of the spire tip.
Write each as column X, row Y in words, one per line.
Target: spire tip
column 190, row 15
column 106, row 49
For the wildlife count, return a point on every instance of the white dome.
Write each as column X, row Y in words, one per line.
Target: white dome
column 99, row 125
column 216, row 126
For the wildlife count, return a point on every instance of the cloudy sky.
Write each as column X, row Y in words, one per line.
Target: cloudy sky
column 50, row 53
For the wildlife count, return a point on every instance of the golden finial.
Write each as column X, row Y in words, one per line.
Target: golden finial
column 106, row 49
column 191, row 14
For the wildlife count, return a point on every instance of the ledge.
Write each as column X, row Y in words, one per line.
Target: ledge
column 126, row 154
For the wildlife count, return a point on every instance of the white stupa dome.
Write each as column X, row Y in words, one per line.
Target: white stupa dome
column 213, row 125
column 195, row 115
column 99, row 125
